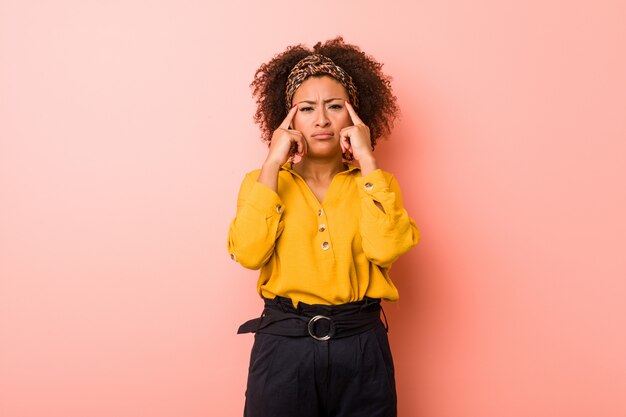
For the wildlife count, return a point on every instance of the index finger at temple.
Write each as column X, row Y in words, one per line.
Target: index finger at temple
column 355, row 118
column 289, row 117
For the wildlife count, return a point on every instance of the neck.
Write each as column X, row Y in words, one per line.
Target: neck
column 319, row 169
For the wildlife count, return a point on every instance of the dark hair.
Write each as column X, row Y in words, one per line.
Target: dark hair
column 377, row 104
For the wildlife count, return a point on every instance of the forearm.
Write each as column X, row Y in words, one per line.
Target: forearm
column 269, row 175
column 257, row 225
column 387, row 234
column 368, row 165
column 251, row 242
column 386, row 240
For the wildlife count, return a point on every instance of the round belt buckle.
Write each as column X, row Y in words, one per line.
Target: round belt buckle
column 312, row 322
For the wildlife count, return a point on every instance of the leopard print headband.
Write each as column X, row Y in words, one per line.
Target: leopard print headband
column 317, row 64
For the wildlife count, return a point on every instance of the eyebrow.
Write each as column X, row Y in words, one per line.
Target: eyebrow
column 325, row 101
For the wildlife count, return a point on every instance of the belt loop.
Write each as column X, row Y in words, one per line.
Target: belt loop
column 369, row 301
column 385, row 316
column 280, row 302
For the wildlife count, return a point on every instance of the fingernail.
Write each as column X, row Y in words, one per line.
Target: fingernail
column 294, row 105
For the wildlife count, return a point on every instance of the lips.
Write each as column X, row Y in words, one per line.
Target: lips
column 323, row 135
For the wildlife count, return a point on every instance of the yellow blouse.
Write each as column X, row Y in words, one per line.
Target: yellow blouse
column 333, row 252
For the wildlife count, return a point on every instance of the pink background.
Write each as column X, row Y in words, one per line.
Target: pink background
column 126, row 128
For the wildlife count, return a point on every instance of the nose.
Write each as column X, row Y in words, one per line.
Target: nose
column 322, row 118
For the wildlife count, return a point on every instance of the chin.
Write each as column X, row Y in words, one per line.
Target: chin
column 324, row 147
column 324, row 154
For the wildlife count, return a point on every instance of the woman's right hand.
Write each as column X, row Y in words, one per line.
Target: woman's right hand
column 285, row 141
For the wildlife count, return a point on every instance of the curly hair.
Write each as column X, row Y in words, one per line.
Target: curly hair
column 377, row 103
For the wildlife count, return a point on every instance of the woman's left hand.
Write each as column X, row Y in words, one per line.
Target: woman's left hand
column 355, row 139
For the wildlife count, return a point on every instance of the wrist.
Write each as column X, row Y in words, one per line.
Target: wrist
column 271, row 165
column 367, row 164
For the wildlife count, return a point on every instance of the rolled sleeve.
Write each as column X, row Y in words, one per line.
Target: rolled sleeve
column 265, row 200
column 257, row 224
column 375, row 187
column 386, row 234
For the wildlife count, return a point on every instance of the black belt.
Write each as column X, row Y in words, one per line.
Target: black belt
column 321, row 322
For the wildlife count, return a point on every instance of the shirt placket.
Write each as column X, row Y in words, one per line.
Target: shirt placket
column 323, row 236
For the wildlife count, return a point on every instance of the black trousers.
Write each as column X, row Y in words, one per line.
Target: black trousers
column 303, row 377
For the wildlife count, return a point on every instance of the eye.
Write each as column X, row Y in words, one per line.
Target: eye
column 306, row 109
column 336, row 106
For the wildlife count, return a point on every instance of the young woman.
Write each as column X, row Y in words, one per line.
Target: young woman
column 324, row 232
